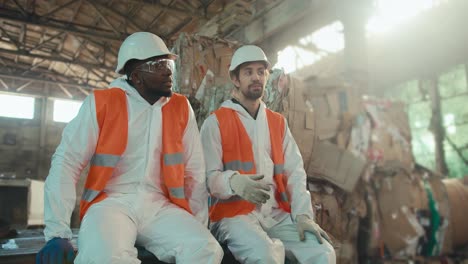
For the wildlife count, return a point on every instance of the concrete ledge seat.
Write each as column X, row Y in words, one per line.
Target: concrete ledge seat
column 147, row 257
column 30, row 242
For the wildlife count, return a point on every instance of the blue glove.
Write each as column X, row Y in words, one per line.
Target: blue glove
column 56, row 251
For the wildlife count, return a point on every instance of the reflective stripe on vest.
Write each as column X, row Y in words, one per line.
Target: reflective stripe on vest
column 89, row 195
column 277, row 127
column 278, row 169
column 238, row 156
column 237, row 165
column 105, row 160
column 173, row 159
column 111, row 146
column 177, row 192
column 174, row 121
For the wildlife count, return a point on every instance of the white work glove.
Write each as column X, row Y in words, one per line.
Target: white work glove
column 249, row 188
column 304, row 223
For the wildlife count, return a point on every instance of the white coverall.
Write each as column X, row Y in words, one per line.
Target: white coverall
column 136, row 211
column 268, row 233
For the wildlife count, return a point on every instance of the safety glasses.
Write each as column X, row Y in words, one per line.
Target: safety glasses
column 156, row 65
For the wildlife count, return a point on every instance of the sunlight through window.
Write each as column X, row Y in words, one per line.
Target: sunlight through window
column 312, row 48
column 293, row 58
column 390, row 13
column 449, row 123
column 327, row 39
column 330, row 39
column 65, row 110
column 16, row 106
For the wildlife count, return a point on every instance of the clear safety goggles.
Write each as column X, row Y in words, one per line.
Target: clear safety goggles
column 157, row 65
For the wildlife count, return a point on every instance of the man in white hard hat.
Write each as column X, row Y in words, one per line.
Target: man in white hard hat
column 259, row 206
column 146, row 182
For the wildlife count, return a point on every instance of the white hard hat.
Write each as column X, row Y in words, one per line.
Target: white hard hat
column 141, row 46
column 247, row 53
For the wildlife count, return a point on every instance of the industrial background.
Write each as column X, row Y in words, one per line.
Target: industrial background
column 375, row 93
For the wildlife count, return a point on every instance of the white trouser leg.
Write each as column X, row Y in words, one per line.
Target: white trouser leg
column 308, row 251
column 247, row 241
column 107, row 235
column 174, row 235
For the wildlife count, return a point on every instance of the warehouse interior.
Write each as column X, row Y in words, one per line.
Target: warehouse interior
column 373, row 91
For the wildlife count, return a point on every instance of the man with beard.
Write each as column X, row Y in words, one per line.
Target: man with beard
column 259, row 203
column 146, row 182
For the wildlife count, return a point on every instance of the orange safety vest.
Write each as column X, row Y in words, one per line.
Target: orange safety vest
column 112, row 118
column 238, row 156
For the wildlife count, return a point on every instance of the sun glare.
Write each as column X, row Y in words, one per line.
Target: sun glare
column 389, row 13
column 330, row 39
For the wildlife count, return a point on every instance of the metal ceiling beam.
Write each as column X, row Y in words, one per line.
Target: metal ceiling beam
column 43, row 80
column 55, row 10
column 24, row 86
column 156, row 17
column 82, row 90
column 46, row 41
column 65, row 90
column 4, row 84
column 20, row 7
column 95, row 57
column 55, row 58
column 22, row 37
column 178, row 28
column 77, row 29
column 117, row 13
column 300, row 17
column 103, row 17
column 15, row 42
column 24, row 68
column 76, row 11
column 33, row 6
column 170, row 9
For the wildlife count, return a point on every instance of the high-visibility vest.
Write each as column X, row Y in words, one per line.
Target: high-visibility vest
column 238, row 156
column 112, row 118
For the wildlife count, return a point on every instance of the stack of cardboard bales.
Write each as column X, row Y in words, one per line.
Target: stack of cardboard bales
column 202, row 72
column 339, row 213
column 321, row 120
column 368, row 141
column 366, row 191
column 457, row 191
column 316, row 119
column 362, row 177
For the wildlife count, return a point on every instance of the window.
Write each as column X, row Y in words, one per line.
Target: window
column 65, row 110
column 390, row 13
column 312, row 48
column 330, row 38
column 17, row 106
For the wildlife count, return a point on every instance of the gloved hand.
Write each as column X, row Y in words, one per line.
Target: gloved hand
column 304, row 223
column 249, row 188
column 56, row 251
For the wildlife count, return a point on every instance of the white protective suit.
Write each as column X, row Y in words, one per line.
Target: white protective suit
column 267, row 234
column 136, row 211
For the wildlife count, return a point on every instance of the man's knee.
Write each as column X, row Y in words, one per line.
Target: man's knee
column 329, row 251
column 265, row 251
column 211, row 246
column 97, row 255
column 215, row 248
column 321, row 254
column 90, row 253
column 199, row 248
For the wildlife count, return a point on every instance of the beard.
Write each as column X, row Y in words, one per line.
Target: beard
column 253, row 94
column 155, row 91
column 160, row 93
